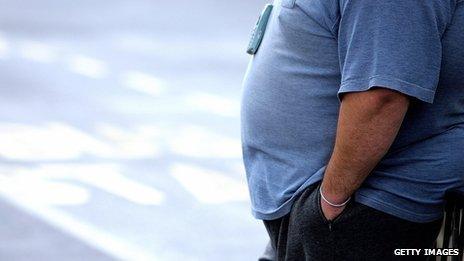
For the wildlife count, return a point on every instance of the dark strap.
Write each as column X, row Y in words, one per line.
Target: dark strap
column 453, row 236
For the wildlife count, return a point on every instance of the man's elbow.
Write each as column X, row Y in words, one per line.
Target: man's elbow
column 377, row 99
column 386, row 96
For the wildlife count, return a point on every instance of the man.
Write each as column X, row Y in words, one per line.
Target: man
column 353, row 125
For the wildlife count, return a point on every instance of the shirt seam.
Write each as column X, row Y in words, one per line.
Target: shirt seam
column 337, row 21
column 318, row 22
column 384, row 78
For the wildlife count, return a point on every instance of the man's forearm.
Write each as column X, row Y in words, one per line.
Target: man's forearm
column 367, row 125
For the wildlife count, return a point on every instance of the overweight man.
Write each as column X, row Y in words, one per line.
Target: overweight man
column 353, row 125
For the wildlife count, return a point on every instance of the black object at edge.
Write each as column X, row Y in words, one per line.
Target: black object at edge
column 453, row 236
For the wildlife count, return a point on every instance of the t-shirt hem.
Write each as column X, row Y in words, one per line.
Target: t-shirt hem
column 410, row 89
column 396, row 211
column 285, row 208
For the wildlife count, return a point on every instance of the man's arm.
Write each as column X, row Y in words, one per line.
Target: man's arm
column 367, row 126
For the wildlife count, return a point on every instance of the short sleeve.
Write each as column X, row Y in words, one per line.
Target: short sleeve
column 395, row 44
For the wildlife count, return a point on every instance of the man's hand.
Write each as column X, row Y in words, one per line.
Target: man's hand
column 367, row 126
column 330, row 213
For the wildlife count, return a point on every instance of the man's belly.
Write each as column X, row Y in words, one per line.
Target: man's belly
column 295, row 115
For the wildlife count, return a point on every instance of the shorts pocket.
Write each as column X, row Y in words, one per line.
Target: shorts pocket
column 288, row 3
column 321, row 213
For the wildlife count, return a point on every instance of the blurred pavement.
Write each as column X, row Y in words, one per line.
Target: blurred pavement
column 119, row 130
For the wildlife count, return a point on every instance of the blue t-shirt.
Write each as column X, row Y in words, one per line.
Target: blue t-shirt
column 315, row 50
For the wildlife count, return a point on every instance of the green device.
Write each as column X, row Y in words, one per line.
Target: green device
column 259, row 30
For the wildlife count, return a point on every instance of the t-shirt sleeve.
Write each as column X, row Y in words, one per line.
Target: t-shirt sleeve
column 394, row 44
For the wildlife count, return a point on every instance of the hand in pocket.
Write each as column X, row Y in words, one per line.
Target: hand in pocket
column 329, row 212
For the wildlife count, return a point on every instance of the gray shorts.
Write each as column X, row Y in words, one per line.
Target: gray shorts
column 358, row 233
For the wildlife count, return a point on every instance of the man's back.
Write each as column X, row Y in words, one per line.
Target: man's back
column 315, row 50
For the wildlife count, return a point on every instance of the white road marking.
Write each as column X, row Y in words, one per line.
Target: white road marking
column 59, row 141
column 34, row 190
column 214, row 104
column 53, row 141
column 207, row 186
column 143, row 83
column 37, row 51
column 88, row 66
column 139, row 142
column 201, row 142
column 40, row 191
column 106, row 177
column 107, row 243
column 4, row 47
column 35, row 183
